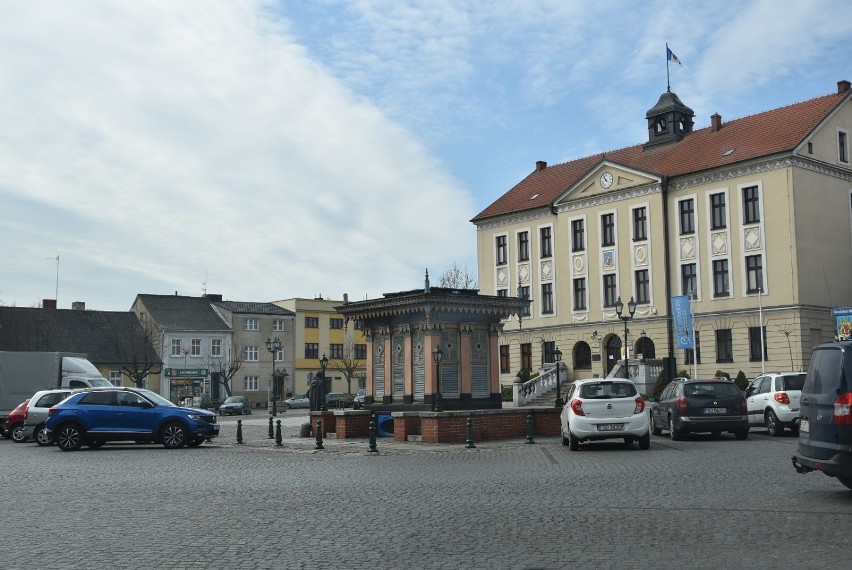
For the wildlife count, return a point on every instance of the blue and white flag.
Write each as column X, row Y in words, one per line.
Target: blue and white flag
column 682, row 316
column 672, row 57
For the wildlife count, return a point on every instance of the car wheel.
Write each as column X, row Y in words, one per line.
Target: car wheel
column 95, row 443
column 772, row 425
column 195, row 442
column 847, row 481
column 645, row 441
column 675, row 434
column 18, row 433
column 573, row 442
column 741, row 433
column 41, row 436
column 69, row 437
column 174, row 435
column 564, row 439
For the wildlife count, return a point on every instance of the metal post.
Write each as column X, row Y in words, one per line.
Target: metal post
column 529, row 429
column 372, row 436
column 557, row 355
column 278, row 433
column 239, row 431
column 319, row 435
column 470, row 444
column 270, row 436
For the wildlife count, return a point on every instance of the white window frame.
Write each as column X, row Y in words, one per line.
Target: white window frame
column 115, row 377
column 252, row 354
column 195, row 347
column 278, row 325
column 216, row 347
column 252, row 325
column 177, row 347
column 840, row 158
column 251, row 384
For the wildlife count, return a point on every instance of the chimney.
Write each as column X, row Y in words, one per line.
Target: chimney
column 78, row 306
column 540, row 165
column 715, row 122
column 843, row 86
column 48, row 303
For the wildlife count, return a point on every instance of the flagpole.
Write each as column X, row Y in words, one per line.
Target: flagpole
column 694, row 347
column 668, row 81
column 762, row 347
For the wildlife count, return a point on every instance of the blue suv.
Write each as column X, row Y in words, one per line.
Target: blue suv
column 99, row 415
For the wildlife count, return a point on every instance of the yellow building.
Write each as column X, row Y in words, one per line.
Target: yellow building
column 321, row 331
column 751, row 217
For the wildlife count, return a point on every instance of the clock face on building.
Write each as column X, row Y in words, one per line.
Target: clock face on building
column 606, row 180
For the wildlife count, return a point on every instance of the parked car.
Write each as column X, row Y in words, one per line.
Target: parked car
column 358, row 400
column 13, row 427
column 599, row 409
column 690, row 406
column 299, row 401
column 825, row 414
column 37, row 411
column 773, row 401
column 239, row 405
column 336, row 400
column 98, row 415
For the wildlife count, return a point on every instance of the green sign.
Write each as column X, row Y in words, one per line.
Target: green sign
column 186, row 372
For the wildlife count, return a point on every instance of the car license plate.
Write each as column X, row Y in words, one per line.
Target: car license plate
column 715, row 410
column 610, row 427
column 804, row 426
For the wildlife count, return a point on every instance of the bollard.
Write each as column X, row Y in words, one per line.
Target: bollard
column 470, row 433
column 319, row 435
column 239, row 431
column 529, row 429
column 373, row 436
column 270, row 436
column 278, row 433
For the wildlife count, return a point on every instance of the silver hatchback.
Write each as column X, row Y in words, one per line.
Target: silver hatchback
column 37, row 410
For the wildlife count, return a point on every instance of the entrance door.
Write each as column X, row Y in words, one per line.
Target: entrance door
column 613, row 352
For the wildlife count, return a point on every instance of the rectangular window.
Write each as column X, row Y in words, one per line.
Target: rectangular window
column 311, row 322
column 842, row 147
column 547, row 299
column 278, row 325
column 754, row 273
column 580, row 294
column 505, row 364
column 252, row 325
column 578, row 235
column 718, row 219
column 335, row 323
column 115, row 377
column 501, row 250
column 524, row 293
column 361, row 351
column 312, row 350
column 216, row 347
column 688, row 279
column 690, row 356
column 335, row 351
column 754, row 344
column 279, row 355
column 751, row 205
column 176, row 347
column 720, row 278
column 608, row 230
column 640, row 229
column 523, row 246
column 526, row 356
column 724, row 346
column 251, row 384
column 251, row 354
column 195, row 347
column 502, row 292
column 643, row 295
column 610, row 295
column 549, row 352
column 546, row 242
column 687, row 216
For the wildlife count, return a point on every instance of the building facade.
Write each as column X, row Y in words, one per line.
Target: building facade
column 751, row 219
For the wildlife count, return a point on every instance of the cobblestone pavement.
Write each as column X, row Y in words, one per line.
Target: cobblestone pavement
column 701, row 503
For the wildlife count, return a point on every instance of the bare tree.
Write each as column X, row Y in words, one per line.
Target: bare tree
column 349, row 365
column 135, row 344
column 224, row 368
column 454, row 277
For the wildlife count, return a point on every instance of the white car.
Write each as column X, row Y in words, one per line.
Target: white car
column 604, row 408
column 773, row 401
column 37, row 409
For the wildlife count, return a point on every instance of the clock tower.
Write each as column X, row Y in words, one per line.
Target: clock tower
column 668, row 121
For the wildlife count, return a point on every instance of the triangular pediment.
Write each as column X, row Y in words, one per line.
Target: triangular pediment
column 605, row 178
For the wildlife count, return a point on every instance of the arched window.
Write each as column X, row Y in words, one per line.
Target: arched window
column 582, row 355
column 645, row 347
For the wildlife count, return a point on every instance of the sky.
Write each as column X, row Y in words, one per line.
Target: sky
column 265, row 150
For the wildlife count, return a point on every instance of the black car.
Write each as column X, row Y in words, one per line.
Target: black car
column 235, row 405
column 690, row 406
column 825, row 414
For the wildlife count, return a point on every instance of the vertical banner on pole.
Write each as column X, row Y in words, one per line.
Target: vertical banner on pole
column 682, row 316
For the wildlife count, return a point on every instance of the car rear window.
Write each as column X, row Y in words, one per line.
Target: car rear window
column 605, row 390
column 711, row 389
column 793, row 381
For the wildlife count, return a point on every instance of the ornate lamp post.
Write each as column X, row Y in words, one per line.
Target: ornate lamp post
column 619, row 309
column 273, row 346
column 438, row 355
column 323, row 364
column 557, row 355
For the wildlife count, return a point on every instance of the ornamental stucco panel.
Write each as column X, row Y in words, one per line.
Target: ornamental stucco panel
column 687, row 248
column 547, row 270
column 640, row 255
column 719, row 243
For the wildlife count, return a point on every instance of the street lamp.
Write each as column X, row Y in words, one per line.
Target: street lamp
column 619, row 309
column 323, row 364
column 438, row 355
column 273, row 346
column 557, row 355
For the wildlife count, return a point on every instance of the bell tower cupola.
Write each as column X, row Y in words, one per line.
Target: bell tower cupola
column 669, row 120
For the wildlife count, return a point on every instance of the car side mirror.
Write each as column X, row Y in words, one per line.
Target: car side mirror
column 651, row 399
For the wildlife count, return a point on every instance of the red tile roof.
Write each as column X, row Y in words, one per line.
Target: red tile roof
column 771, row 132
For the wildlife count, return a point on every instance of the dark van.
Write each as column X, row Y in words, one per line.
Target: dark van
column 825, row 416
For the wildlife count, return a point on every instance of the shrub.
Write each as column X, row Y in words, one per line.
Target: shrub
column 506, row 392
column 661, row 383
column 741, row 381
column 720, row 374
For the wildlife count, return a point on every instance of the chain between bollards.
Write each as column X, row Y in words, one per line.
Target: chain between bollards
column 373, row 436
column 278, row 433
column 239, row 431
column 271, row 435
column 319, row 435
column 529, row 429
column 470, row 444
